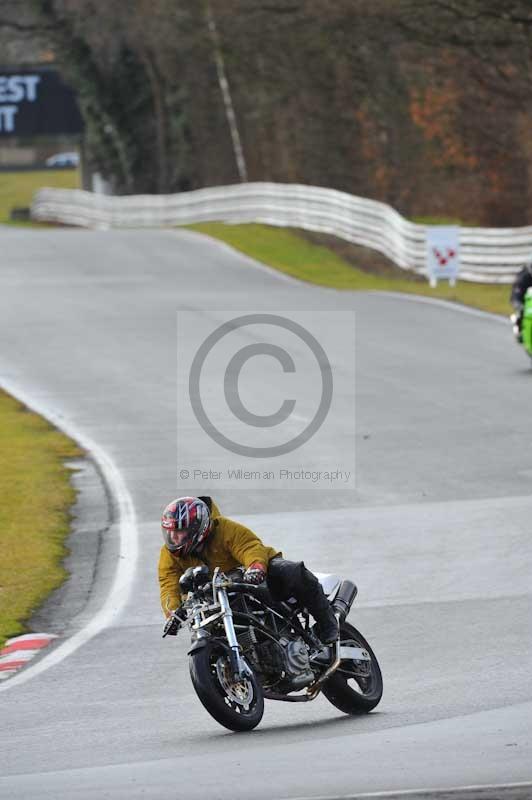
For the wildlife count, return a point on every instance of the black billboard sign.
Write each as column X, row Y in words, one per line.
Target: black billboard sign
column 37, row 103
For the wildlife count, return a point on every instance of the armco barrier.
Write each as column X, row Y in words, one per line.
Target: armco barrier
column 487, row 255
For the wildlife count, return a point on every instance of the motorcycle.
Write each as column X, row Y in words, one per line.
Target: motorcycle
column 246, row 648
column 523, row 331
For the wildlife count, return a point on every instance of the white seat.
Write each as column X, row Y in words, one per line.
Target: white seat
column 330, row 583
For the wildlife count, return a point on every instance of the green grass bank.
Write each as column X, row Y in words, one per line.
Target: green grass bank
column 34, row 513
column 17, row 188
column 345, row 267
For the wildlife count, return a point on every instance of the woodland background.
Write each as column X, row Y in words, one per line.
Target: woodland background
column 424, row 105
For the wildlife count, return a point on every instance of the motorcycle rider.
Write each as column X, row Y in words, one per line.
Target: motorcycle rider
column 195, row 533
column 522, row 282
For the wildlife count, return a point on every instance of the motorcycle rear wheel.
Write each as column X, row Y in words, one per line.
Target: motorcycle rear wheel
column 347, row 688
column 238, row 706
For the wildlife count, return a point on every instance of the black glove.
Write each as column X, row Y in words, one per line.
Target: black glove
column 174, row 622
column 255, row 573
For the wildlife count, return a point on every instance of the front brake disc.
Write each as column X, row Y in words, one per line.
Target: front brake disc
column 240, row 692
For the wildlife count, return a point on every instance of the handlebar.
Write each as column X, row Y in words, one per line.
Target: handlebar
column 250, row 588
column 220, row 581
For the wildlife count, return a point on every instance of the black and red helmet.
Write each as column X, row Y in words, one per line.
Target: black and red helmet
column 186, row 523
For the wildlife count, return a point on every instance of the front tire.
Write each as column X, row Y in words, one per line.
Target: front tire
column 349, row 688
column 238, row 706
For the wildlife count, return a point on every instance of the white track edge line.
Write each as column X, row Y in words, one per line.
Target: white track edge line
column 413, row 793
column 128, row 540
column 414, row 298
column 249, row 260
column 449, row 304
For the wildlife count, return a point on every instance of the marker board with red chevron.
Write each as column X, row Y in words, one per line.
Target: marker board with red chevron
column 443, row 253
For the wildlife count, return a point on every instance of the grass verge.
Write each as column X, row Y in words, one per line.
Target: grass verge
column 302, row 256
column 34, row 513
column 17, row 188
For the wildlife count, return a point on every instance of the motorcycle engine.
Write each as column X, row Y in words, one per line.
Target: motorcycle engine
column 296, row 662
column 289, row 657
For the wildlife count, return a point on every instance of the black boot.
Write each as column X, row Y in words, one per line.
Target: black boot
column 327, row 627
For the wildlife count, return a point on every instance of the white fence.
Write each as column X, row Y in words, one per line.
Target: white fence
column 487, row 255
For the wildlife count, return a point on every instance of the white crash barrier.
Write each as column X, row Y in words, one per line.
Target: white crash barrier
column 487, row 255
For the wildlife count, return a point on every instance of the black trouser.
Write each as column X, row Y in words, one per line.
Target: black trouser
column 288, row 579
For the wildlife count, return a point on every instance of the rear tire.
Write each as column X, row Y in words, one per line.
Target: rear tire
column 348, row 688
column 237, row 706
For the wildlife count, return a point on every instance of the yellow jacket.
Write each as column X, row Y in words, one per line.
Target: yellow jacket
column 229, row 545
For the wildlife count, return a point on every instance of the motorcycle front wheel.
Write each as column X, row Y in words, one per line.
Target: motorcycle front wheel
column 355, row 687
column 238, row 705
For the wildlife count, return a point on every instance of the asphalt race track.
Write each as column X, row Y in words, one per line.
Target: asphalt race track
column 437, row 534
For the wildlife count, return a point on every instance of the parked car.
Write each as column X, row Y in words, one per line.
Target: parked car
column 63, row 160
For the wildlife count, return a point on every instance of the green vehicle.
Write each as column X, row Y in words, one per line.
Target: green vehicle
column 526, row 325
column 522, row 321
